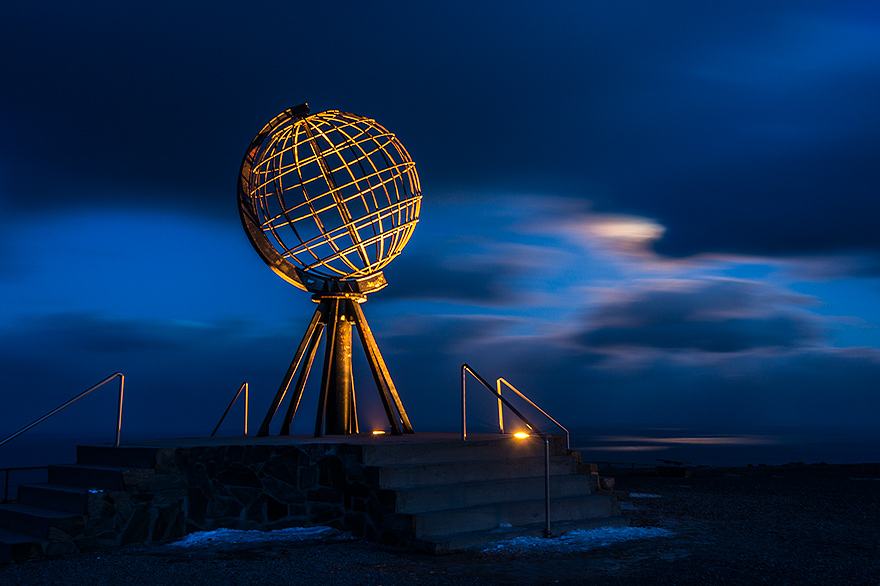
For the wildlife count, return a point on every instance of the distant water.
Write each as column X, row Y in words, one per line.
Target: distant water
column 728, row 448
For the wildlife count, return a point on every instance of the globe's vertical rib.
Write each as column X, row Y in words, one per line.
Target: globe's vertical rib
column 334, row 192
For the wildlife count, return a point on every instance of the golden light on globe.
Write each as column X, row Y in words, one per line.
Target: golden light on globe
column 327, row 200
column 333, row 195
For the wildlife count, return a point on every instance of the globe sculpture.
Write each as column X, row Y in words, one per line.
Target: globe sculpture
column 327, row 200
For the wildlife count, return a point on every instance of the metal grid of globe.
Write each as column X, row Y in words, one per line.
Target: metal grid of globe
column 327, row 200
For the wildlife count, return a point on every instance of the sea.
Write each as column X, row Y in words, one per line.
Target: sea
column 630, row 447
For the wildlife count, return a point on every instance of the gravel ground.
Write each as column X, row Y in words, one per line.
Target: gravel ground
column 777, row 525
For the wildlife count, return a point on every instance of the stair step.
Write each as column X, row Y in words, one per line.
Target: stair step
column 97, row 477
column 18, row 547
column 488, row 517
column 74, row 499
column 404, row 475
column 123, row 456
column 440, row 544
column 503, row 446
column 454, row 496
column 37, row 521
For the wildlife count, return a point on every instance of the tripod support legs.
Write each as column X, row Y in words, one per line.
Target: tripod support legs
column 337, row 413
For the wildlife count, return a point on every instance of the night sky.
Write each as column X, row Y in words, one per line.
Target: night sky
column 657, row 214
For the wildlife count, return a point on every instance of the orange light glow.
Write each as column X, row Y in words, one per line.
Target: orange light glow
column 520, row 435
column 379, row 432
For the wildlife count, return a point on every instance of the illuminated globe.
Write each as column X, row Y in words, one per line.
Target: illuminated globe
column 328, row 198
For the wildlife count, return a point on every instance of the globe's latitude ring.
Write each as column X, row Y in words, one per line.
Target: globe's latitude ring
column 328, row 199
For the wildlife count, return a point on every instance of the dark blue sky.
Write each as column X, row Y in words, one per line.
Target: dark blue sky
column 641, row 213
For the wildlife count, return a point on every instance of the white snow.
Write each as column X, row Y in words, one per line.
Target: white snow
column 643, row 495
column 238, row 536
column 582, row 539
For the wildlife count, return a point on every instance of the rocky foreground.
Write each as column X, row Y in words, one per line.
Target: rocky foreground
column 794, row 524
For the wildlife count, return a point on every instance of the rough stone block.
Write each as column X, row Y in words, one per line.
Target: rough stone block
column 165, row 461
column 281, row 490
column 61, row 548
column 138, row 528
column 332, row 472
column 169, row 522
column 322, row 514
column 308, row 477
column 237, row 474
column 254, row 512
column 223, row 508
column 326, row 495
column 132, row 479
column 197, row 505
column 275, row 510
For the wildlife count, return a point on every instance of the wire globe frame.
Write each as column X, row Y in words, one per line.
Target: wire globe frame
column 328, row 198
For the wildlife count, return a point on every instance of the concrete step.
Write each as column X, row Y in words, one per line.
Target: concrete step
column 404, row 475
column 74, row 499
column 40, row 522
column 122, row 457
column 486, row 447
column 440, row 544
column 469, row 494
column 18, row 547
column 492, row 516
column 98, row 477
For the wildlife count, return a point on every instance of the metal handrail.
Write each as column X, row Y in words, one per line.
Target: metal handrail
column 465, row 368
column 530, row 402
column 74, row 400
column 243, row 387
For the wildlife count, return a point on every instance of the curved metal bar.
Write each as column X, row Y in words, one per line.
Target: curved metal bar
column 530, row 402
column 466, row 368
column 243, row 387
column 74, row 400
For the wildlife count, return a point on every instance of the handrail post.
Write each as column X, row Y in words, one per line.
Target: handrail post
column 500, row 412
column 547, row 532
column 463, row 410
column 119, row 407
column 243, row 387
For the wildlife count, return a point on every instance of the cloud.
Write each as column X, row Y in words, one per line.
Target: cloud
column 723, row 315
column 432, row 276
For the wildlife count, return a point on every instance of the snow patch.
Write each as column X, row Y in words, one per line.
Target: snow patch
column 582, row 539
column 643, row 495
column 239, row 536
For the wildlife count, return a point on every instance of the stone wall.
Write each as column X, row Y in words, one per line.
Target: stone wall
column 241, row 487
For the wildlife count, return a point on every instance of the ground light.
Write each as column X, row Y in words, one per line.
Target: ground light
column 378, row 432
column 520, row 435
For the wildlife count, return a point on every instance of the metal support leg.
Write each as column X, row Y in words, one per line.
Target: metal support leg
column 339, row 397
column 285, row 383
column 301, row 380
column 381, row 375
column 326, row 377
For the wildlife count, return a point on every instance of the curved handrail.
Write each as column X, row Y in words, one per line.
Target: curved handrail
column 530, row 402
column 243, row 387
column 74, row 400
column 465, row 368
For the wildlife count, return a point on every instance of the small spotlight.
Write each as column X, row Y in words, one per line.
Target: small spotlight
column 520, row 435
column 378, row 432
